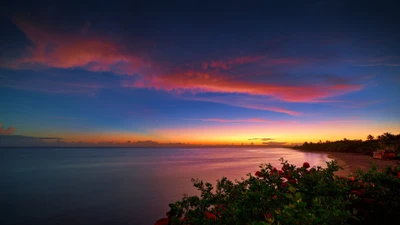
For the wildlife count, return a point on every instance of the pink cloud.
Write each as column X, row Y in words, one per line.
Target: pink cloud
column 8, row 131
column 200, row 82
column 64, row 50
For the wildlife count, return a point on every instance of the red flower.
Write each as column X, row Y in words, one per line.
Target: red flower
column 280, row 172
column 163, row 221
column 275, row 197
column 267, row 216
column 258, row 174
column 352, row 179
column 306, row 165
column 284, row 184
column 287, row 176
column 210, row 216
column 275, row 170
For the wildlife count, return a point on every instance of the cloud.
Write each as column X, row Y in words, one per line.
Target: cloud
column 193, row 81
column 250, row 120
column 261, row 139
column 8, row 131
column 67, row 50
column 57, row 49
column 254, row 102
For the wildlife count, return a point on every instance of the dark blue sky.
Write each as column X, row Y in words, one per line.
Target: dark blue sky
column 199, row 71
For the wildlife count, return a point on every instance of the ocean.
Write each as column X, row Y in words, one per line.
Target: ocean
column 118, row 186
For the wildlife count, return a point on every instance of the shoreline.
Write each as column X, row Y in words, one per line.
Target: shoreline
column 351, row 162
column 346, row 171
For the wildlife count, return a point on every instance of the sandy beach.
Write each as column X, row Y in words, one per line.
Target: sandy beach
column 351, row 162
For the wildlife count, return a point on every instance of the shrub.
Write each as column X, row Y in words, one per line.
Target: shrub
column 292, row 196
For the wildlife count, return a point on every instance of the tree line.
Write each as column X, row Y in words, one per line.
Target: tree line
column 386, row 141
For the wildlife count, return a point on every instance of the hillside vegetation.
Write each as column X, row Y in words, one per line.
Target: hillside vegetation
column 386, row 141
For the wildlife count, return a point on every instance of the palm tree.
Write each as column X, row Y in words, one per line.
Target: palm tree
column 370, row 137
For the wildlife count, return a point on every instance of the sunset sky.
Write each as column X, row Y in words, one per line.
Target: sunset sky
column 199, row 72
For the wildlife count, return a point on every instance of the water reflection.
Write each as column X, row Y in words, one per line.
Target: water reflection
column 116, row 185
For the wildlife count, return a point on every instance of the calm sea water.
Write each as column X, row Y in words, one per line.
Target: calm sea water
column 117, row 185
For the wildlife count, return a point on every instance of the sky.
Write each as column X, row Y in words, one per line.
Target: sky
column 198, row 72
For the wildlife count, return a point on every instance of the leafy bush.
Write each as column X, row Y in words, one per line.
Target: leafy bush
column 292, row 196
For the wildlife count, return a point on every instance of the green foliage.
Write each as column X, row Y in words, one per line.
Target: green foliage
column 293, row 196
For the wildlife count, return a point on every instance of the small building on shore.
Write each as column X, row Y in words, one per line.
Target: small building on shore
column 384, row 154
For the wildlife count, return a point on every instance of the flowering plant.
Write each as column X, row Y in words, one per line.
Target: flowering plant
column 291, row 195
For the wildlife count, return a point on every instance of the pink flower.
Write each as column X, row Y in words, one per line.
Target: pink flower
column 306, row 165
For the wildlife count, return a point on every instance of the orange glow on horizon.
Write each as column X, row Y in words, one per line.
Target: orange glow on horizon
column 227, row 134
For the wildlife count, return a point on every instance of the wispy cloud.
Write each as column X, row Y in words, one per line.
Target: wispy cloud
column 244, row 102
column 192, row 81
column 220, row 120
column 261, row 139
